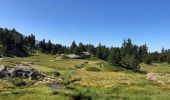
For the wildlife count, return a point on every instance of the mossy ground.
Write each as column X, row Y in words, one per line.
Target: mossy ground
column 95, row 79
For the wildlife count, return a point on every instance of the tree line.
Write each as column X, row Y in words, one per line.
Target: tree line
column 128, row 55
column 14, row 43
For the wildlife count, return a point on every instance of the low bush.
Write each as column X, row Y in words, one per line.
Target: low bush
column 79, row 66
column 56, row 74
column 17, row 82
column 64, row 57
column 93, row 69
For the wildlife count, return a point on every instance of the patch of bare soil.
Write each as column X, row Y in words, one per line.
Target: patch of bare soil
column 163, row 79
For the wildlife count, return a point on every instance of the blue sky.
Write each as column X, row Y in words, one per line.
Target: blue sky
column 91, row 21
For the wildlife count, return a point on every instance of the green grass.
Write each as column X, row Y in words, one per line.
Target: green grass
column 108, row 83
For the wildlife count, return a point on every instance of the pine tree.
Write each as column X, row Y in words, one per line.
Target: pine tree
column 80, row 49
column 42, row 46
column 163, row 56
column 142, row 53
column 91, row 49
column 155, row 57
column 128, row 56
column 168, row 56
column 99, row 52
column 73, row 48
column 1, row 45
column 130, row 62
column 49, row 47
column 148, row 59
column 114, row 56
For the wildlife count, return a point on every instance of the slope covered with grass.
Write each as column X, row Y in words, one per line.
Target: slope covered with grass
column 88, row 78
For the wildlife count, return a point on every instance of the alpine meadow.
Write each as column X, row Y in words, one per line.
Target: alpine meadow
column 84, row 50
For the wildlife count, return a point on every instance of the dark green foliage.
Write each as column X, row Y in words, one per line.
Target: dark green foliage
column 130, row 62
column 56, row 74
column 155, row 57
column 80, row 66
column 57, row 49
column 80, row 49
column 129, row 55
column 42, row 46
column 96, row 69
column 163, row 56
column 17, row 81
column 91, row 49
column 98, row 51
column 143, row 51
column 168, row 56
column 1, row 47
column 49, row 47
column 102, row 52
column 13, row 43
column 114, row 57
column 148, row 60
column 73, row 48
column 29, row 43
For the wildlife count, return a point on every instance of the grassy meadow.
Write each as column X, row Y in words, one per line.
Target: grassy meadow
column 88, row 78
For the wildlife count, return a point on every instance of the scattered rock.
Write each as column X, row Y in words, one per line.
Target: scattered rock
column 46, row 80
column 28, row 63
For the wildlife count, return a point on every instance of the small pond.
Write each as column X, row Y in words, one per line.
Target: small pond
column 56, row 86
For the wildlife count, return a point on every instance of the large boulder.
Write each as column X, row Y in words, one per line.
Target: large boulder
column 21, row 70
column 73, row 56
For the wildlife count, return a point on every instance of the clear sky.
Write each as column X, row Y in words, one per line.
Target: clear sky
column 91, row 21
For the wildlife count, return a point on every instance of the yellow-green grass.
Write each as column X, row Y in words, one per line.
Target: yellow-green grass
column 41, row 92
column 104, row 84
column 156, row 68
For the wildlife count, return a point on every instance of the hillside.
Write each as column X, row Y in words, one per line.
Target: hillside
column 87, row 79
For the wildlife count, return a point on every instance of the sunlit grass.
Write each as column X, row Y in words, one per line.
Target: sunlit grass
column 108, row 83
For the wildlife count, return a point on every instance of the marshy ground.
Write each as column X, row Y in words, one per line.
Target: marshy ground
column 87, row 79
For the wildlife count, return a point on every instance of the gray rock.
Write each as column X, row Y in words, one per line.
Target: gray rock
column 4, row 72
column 3, row 68
column 73, row 56
column 21, row 70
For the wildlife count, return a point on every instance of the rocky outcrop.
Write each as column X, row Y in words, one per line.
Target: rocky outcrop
column 47, row 80
column 20, row 70
column 4, row 74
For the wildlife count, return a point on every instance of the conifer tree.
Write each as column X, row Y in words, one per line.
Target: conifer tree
column 73, row 48
column 98, row 51
column 168, row 56
column 42, row 46
column 49, row 47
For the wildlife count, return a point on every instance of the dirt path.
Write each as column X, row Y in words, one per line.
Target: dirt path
column 163, row 79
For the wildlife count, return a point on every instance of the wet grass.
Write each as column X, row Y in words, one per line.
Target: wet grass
column 108, row 83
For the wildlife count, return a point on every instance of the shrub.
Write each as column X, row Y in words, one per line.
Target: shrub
column 64, row 57
column 130, row 62
column 93, row 69
column 56, row 74
column 148, row 60
column 79, row 66
column 168, row 57
column 17, row 81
